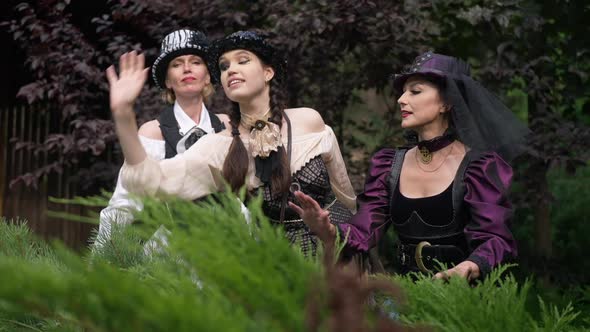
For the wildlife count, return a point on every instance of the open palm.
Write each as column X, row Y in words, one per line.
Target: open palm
column 126, row 87
column 316, row 218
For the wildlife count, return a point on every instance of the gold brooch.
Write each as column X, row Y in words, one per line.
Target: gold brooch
column 425, row 155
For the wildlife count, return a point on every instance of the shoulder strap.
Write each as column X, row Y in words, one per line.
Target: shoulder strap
column 216, row 123
column 169, row 129
column 459, row 182
column 396, row 169
column 289, row 139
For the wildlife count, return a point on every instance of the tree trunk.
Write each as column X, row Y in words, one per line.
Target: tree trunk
column 543, row 230
column 538, row 185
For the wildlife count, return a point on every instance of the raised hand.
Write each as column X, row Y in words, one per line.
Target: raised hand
column 126, row 87
column 124, row 90
column 316, row 218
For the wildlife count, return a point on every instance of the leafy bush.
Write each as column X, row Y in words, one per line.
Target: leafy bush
column 570, row 215
column 498, row 303
column 570, row 222
column 221, row 272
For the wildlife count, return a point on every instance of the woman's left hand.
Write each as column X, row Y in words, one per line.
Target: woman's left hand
column 466, row 269
column 316, row 218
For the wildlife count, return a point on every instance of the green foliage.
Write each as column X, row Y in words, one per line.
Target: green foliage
column 277, row 288
column 498, row 303
column 17, row 241
column 556, row 320
column 571, row 217
column 123, row 249
column 218, row 273
column 221, row 272
column 517, row 99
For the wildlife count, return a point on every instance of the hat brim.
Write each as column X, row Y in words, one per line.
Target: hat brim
column 399, row 80
column 160, row 66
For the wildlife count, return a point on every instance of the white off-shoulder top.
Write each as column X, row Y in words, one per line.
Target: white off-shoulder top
column 197, row 172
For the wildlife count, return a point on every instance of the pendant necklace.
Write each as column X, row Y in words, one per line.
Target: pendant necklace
column 418, row 159
column 428, row 147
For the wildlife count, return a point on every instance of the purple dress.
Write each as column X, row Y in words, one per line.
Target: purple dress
column 485, row 204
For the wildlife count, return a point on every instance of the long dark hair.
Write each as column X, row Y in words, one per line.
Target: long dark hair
column 235, row 166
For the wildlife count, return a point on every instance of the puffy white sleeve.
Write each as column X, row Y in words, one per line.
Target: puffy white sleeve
column 324, row 143
column 191, row 175
column 339, row 179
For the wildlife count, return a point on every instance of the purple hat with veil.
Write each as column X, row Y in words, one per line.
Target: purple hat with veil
column 432, row 64
column 480, row 118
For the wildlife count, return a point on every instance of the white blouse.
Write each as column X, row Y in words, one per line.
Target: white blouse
column 197, row 172
column 121, row 205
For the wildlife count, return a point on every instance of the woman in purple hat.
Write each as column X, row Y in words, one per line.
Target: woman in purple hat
column 181, row 72
column 267, row 147
column 445, row 197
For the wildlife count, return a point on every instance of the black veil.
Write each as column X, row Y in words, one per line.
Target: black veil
column 482, row 121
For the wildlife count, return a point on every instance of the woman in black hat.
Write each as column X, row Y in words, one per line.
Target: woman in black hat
column 446, row 197
column 267, row 147
column 181, row 72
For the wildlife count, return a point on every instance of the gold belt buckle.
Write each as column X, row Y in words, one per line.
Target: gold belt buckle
column 418, row 256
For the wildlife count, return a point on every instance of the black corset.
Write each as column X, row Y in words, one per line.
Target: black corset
column 426, row 219
column 313, row 180
column 436, row 210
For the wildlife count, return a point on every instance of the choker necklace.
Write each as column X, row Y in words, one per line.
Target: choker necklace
column 426, row 148
column 265, row 136
column 249, row 121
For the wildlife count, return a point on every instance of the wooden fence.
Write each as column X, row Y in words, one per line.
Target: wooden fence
column 33, row 124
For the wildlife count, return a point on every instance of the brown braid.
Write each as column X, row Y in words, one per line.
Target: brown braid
column 235, row 166
column 281, row 179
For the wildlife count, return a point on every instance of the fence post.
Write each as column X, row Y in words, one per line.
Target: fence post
column 3, row 156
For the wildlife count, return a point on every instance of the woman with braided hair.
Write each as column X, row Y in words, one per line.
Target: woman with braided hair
column 267, row 148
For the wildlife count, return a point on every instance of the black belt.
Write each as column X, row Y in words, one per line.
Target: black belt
column 425, row 257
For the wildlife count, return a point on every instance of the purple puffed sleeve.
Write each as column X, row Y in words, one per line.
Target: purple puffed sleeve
column 487, row 184
column 367, row 226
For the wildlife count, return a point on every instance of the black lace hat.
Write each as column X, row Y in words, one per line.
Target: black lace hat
column 175, row 44
column 480, row 118
column 255, row 42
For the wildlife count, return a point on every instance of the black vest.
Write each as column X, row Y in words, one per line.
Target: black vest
column 415, row 229
column 170, row 129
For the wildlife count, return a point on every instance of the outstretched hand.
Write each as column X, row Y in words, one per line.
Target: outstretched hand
column 126, row 87
column 316, row 218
